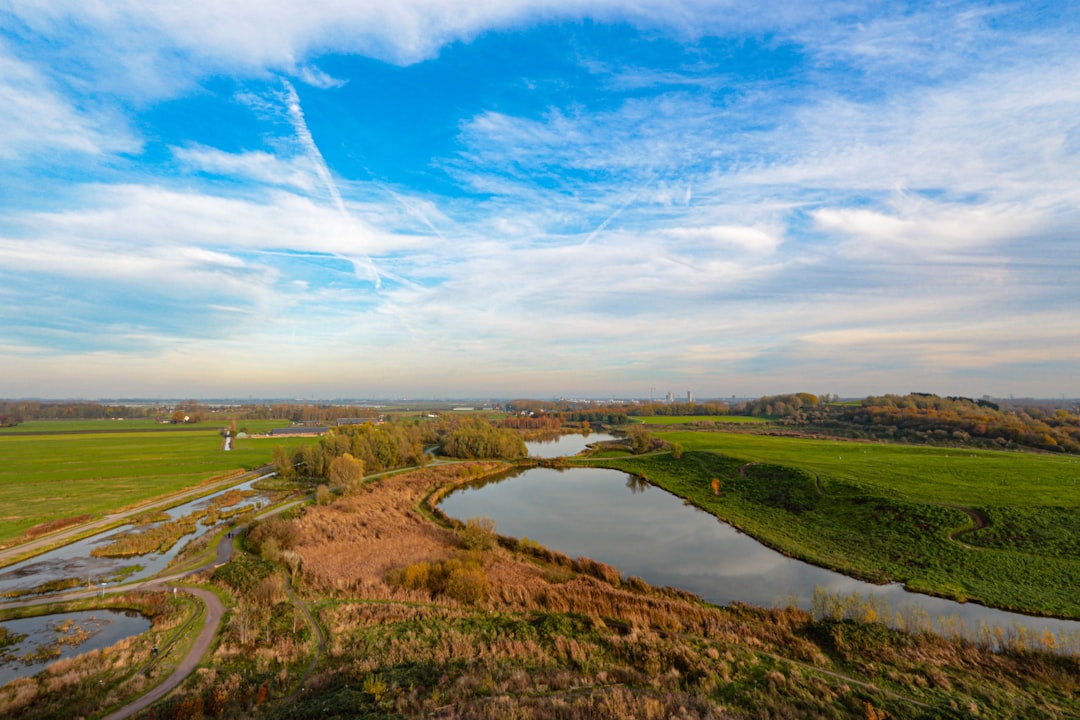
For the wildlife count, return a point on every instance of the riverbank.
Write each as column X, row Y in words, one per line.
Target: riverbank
column 868, row 531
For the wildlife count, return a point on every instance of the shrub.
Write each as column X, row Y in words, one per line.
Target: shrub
column 479, row 534
column 462, row 578
column 468, row 585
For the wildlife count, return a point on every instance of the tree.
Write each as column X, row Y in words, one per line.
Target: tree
column 676, row 450
column 640, row 439
column 346, row 472
column 282, row 463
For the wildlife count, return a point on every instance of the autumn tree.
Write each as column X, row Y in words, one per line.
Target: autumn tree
column 346, row 472
column 640, row 439
column 283, row 465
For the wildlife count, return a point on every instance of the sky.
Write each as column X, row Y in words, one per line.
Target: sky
column 536, row 198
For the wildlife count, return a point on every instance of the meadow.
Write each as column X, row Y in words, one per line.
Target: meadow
column 1000, row 528
column 49, row 477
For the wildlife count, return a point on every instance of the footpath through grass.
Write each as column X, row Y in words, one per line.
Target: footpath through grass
column 50, row 477
column 890, row 512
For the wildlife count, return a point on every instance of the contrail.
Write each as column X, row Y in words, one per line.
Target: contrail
column 296, row 117
column 600, row 228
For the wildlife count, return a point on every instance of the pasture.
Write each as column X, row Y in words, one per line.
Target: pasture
column 53, row 476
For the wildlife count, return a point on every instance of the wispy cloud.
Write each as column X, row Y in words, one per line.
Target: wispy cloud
column 38, row 119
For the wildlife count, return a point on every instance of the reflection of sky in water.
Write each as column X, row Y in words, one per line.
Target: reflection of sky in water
column 564, row 445
column 105, row 626
column 652, row 534
column 75, row 561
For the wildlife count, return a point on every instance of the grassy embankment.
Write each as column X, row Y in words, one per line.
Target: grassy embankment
column 49, row 478
column 893, row 512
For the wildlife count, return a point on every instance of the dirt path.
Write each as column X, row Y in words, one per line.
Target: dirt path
column 320, row 646
column 978, row 520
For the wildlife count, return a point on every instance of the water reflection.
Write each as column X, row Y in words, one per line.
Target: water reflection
column 637, row 484
column 564, row 445
column 48, row 638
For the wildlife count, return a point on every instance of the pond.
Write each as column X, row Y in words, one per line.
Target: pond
column 75, row 560
column 48, row 638
column 621, row 520
column 564, row 445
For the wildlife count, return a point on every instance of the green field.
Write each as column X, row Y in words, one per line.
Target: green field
column 895, row 512
column 132, row 425
column 686, row 419
column 49, row 477
column 39, row 426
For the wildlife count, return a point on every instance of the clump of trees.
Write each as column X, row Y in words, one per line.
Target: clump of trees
column 370, row 448
column 641, row 440
column 925, row 417
column 921, row 417
column 476, row 439
column 676, row 409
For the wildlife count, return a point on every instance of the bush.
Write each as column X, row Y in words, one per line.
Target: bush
column 462, row 578
column 479, row 534
column 468, row 585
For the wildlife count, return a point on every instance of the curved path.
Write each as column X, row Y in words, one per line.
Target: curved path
column 979, row 521
column 320, row 646
column 214, row 612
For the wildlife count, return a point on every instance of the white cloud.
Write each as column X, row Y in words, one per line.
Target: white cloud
column 261, row 167
column 279, row 34
column 928, row 230
column 37, row 118
column 317, row 78
column 757, row 241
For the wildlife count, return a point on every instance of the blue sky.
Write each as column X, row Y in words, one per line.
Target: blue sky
column 536, row 198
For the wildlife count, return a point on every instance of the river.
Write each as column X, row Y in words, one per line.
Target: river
column 645, row 531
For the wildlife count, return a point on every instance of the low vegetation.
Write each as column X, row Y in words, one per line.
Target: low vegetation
column 51, row 481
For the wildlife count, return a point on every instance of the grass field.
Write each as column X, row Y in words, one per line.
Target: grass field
column 895, row 512
column 48, row 477
column 131, row 425
column 686, row 419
